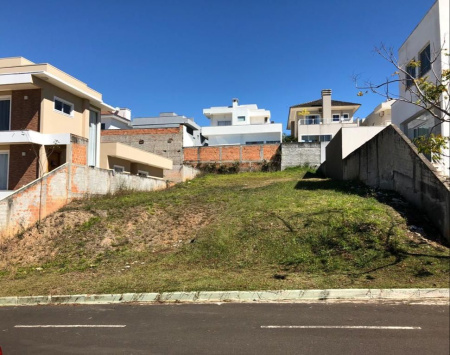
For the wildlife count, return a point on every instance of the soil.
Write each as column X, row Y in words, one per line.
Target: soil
column 138, row 229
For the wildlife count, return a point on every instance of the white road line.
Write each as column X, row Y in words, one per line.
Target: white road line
column 71, row 326
column 336, row 327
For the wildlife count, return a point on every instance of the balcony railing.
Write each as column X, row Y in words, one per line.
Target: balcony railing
column 314, row 121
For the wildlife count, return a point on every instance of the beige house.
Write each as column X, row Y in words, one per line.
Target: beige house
column 380, row 116
column 320, row 120
column 48, row 118
column 123, row 158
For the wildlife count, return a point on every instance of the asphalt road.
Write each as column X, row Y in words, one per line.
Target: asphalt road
column 226, row 329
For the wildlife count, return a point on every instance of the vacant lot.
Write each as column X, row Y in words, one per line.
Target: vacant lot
column 282, row 230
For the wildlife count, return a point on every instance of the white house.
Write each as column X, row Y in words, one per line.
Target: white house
column 423, row 44
column 241, row 124
column 118, row 119
column 320, row 120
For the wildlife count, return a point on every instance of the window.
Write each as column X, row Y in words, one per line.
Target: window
column 63, row 106
column 241, row 118
column 310, row 139
column 425, row 60
column 312, row 119
column 411, row 70
column 103, row 126
column 142, row 173
column 4, row 166
column 272, row 142
column 345, row 116
column 5, row 113
column 336, row 117
column 254, row 142
column 118, row 168
column 316, row 138
column 190, row 131
column 224, row 123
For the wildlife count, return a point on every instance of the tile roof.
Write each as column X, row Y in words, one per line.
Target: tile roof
column 318, row 103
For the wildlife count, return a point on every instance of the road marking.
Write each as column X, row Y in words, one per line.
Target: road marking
column 71, row 326
column 336, row 327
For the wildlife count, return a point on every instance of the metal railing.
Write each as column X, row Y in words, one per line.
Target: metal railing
column 314, row 121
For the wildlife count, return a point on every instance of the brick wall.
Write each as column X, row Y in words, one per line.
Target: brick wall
column 210, row 153
column 23, row 169
column 25, row 112
column 46, row 195
column 250, row 157
column 79, row 154
column 79, row 147
column 251, row 153
column 231, row 153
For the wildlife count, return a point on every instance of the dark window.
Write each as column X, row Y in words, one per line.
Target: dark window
column 64, row 107
column 310, row 139
column 411, row 70
column 67, row 109
column 190, row 131
column 325, row 138
column 4, row 114
column 241, row 118
column 425, row 60
column 103, row 126
column 58, row 105
column 255, row 142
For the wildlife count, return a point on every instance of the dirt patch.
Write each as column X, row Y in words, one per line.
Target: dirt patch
column 91, row 233
column 38, row 242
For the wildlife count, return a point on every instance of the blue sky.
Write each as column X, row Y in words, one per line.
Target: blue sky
column 186, row 55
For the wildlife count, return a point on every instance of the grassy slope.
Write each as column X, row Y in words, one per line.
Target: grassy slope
column 228, row 232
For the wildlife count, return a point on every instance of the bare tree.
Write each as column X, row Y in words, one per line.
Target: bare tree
column 429, row 92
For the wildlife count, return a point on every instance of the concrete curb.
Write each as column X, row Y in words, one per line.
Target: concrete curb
column 409, row 295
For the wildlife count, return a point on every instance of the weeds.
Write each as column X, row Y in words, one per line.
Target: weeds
column 261, row 230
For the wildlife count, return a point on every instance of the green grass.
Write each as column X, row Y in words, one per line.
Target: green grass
column 280, row 230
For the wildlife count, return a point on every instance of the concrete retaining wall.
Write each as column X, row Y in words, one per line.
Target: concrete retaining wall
column 296, row 154
column 46, row 195
column 390, row 161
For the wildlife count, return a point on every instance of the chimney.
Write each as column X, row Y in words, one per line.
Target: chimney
column 125, row 113
column 326, row 103
column 235, row 102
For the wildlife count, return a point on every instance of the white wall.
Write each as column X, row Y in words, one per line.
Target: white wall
column 252, row 114
column 191, row 140
column 355, row 137
column 111, row 123
column 433, row 29
column 321, row 129
column 233, row 139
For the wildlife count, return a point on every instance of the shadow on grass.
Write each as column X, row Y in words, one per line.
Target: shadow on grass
column 416, row 220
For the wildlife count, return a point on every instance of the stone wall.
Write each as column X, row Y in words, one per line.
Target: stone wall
column 390, row 161
column 46, row 195
column 296, row 154
column 249, row 157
